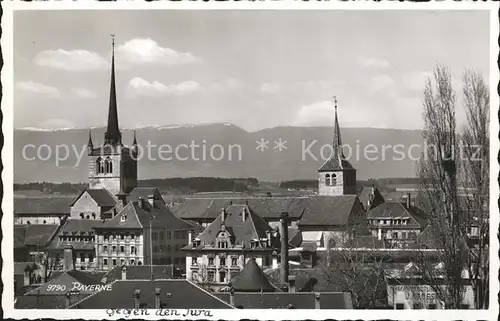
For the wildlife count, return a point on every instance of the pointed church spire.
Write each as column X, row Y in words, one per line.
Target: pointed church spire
column 113, row 135
column 134, row 143
column 90, row 143
column 337, row 139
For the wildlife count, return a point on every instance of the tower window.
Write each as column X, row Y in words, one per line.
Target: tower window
column 327, row 179
column 109, row 165
column 99, row 165
column 334, row 180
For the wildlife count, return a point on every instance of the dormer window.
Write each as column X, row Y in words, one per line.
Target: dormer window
column 327, row 180
column 123, row 218
column 222, row 244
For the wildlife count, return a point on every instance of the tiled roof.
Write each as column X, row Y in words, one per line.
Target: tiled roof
column 137, row 217
column 75, row 227
column 42, row 205
column 328, row 210
column 294, row 237
column 34, row 235
column 241, row 231
column 143, row 272
column 335, row 164
column 365, row 194
column 103, row 197
column 252, row 279
column 144, row 192
column 174, row 294
column 265, row 207
column 288, row 300
column 398, row 210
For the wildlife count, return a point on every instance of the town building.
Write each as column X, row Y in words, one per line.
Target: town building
column 144, row 232
column 94, row 204
column 40, row 210
column 396, row 222
column 236, row 236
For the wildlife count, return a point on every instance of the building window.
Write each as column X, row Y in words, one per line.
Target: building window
column 395, row 235
column 155, row 248
column 122, row 249
column 132, row 236
column 417, row 306
column 105, row 249
column 169, row 235
column 113, row 249
column 162, row 235
column 403, row 235
column 99, row 165
column 114, row 262
column 194, row 260
column 211, row 276
column 105, row 262
column 132, row 262
column 169, row 248
column 222, row 244
column 109, row 165
column 132, row 250
column 234, row 261
column 82, row 257
column 327, row 180
column 161, row 248
column 122, row 236
column 222, row 261
column 106, row 237
column 91, row 258
column 400, row 306
column 432, row 306
column 222, row 277
column 210, row 261
column 122, row 262
column 334, row 180
column 44, row 222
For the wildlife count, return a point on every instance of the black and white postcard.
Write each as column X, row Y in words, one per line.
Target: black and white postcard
column 186, row 160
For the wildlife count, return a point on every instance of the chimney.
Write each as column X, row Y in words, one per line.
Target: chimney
column 137, row 296
column 269, row 243
column 190, row 236
column 291, row 283
column 231, row 297
column 284, row 247
column 141, row 202
column 124, row 272
column 408, row 200
column 157, row 298
column 68, row 299
column 275, row 260
column 151, row 200
column 223, row 214
column 317, row 303
column 68, row 260
column 244, row 214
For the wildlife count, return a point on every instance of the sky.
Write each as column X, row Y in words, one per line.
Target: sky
column 255, row 69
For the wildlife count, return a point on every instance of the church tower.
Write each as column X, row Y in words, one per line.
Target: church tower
column 337, row 176
column 112, row 166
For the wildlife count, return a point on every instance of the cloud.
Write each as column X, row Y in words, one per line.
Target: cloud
column 38, row 89
column 316, row 87
column 56, row 123
column 72, row 60
column 140, row 87
column 271, row 88
column 141, row 51
column 83, row 93
column 415, row 81
column 382, row 83
column 373, row 62
column 225, row 85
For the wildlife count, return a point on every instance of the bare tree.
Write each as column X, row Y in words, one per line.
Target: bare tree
column 443, row 171
column 475, row 160
column 358, row 269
